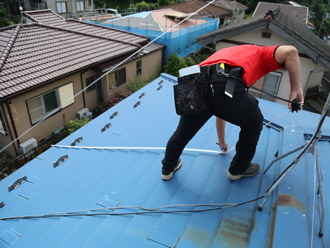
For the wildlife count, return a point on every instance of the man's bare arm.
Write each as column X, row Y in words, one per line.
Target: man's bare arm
column 221, row 124
column 288, row 55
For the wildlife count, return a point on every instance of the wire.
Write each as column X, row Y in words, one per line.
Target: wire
column 262, row 127
column 313, row 197
column 106, row 73
column 67, row 214
column 276, row 119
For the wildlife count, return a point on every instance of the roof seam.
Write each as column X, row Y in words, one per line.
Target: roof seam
column 9, row 47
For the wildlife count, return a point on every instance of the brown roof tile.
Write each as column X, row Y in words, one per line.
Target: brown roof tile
column 35, row 57
column 193, row 6
column 48, row 17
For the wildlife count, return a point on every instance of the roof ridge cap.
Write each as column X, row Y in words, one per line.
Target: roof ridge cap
column 9, row 47
column 91, row 35
column 92, row 24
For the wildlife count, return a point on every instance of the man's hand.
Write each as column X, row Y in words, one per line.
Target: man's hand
column 223, row 145
column 296, row 94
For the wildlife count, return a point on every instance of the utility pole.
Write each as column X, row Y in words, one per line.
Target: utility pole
column 325, row 14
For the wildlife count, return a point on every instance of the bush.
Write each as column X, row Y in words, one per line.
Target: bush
column 135, row 84
column 76, row 124
column 117, row 97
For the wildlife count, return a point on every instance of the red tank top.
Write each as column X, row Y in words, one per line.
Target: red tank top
column 256, row 61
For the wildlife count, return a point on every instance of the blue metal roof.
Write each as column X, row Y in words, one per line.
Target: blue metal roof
column 96, row 178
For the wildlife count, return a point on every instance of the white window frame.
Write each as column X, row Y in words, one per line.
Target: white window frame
column 80, row 6
column 62, row 104
column 270, row 98
column 60, row 6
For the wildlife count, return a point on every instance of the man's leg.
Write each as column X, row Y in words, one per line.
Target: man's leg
column 241, row 110
column 187, row 128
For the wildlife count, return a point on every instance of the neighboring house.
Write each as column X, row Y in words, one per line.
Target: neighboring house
column 179, row 40
column 44, row 64
column 314, row 53
column 121, row 167
column 192, row 6
column 297, row 13
column 232, row 7
column 65, row 8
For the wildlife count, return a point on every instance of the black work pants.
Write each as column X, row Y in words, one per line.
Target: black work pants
column 241, row 110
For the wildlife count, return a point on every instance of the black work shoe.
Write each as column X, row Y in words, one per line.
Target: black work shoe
column 167, row 175
column 250, row 171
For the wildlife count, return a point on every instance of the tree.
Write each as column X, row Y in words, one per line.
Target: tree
column 174, row 64
column 5, row 18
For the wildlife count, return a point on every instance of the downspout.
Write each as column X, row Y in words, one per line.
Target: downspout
column 82, row 86
column 12, row 121
column 309, row 79
column 8, row 126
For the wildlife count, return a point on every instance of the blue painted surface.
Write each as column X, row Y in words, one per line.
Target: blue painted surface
column 97, row 178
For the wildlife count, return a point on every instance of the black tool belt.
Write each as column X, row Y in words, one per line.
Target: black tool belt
column 191, row 94
column 232, row 74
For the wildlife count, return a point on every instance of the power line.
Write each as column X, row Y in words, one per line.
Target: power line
column 106, row 73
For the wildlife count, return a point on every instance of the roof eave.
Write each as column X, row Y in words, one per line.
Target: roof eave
column 299, row 44
column 213, row 38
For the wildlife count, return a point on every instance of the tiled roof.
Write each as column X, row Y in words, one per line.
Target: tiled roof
column 38, row 53
column 229, row 5
column 149, row 49
column 299, row 14
column 192, row 6
column 97, row 178
column 48, row 17
column 285, row 26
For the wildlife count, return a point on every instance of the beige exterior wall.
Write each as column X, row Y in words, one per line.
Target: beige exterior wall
column 151, row 65
column 19, row 111
column 307, row 64
column 71, row 7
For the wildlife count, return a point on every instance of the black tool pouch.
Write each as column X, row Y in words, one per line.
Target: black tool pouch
column 191, row 94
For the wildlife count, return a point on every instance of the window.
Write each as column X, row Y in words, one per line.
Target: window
column 42, row 105
column 139, row 67
column 266, row 35
column 90, row 80
column 270, row 85
column 2, row 126
column 80, row 5
column 90, row 2
column 117, row 78
column 61, row 7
